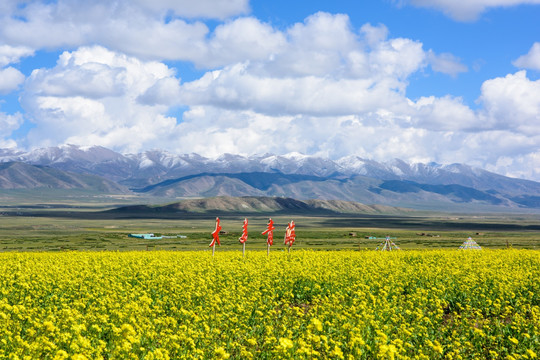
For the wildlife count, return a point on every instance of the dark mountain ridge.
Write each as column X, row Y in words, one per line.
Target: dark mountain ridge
column 257, row 205
column 259, row 180
column 162, row 174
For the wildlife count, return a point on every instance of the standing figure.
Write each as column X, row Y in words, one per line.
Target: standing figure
column 270, row 233
column 290, row 235
column 244, row 237
column 215, row 237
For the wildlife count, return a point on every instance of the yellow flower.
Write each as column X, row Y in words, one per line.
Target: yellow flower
column 61, row 355
column 49, row 326
column 161, row 305
column 79, row 357
column 221, row 353
column 387, row 351
column 285, row 343
column 337, row 353
column 316, row 324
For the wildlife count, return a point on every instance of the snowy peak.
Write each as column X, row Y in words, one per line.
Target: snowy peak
column 153, row 166
column 162, row 173
column 296, row 163
column 66, row 153
column 292, row 163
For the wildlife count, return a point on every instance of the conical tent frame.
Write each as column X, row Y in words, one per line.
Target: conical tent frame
column 387, row 245
column 470, row 244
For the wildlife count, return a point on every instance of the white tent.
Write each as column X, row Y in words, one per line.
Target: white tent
column 387, row 245
column 470, row 244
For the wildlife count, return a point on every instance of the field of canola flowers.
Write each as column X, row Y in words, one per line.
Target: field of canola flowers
column 306, row 305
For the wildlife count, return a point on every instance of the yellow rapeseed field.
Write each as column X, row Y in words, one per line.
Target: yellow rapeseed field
column 303, row 305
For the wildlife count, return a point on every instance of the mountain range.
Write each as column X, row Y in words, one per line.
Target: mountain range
column 163, row 174
column 19, row 175
column 254, row 205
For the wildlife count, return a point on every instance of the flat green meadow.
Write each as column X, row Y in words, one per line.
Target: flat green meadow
column 74, row 232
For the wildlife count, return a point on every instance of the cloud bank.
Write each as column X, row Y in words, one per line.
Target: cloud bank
column 531, row 60
column 320, row 86
column 468, row 10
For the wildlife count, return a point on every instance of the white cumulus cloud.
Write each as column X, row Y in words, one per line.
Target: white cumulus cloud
column 158, row 30
column 239, row 40
column 531, row 60
column 512, row 103
column 198, row 9
column 313, row 74
column 9, row 123
column 446, row 63
column 91, row 97
column 10, row 79
column 237, row 88
column 12, row 54
column 468, row 10
column 446, row 114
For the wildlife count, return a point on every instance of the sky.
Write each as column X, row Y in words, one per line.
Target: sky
column 420, row 80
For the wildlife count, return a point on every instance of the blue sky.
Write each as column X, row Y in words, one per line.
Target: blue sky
column 419, row 80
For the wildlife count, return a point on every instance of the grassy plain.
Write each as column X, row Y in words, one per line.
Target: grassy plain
column 83, row 227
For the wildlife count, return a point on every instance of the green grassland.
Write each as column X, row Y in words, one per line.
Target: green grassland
column 57, row 228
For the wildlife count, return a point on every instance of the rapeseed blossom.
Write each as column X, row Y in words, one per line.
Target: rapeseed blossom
column 302, row 305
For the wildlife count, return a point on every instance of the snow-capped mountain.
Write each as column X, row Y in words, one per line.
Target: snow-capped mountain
column 153, row 166
column 156, row 165
column 296, row 175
